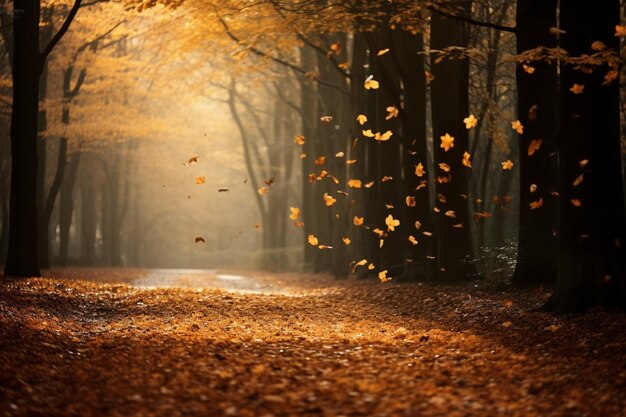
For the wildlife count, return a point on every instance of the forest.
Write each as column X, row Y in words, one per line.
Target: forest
column 422, row 201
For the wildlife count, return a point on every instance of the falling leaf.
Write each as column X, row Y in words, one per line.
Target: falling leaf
column 532, row 112
column 362, row 119
column 382, row 52
column 382, row 242
column 507, row 324
column 351, row 161
column 295, row 213
column 193, row 159
column 263, row 190
column 329, row 200
column 598, row 46
column 536, row 204
column 386, row 178
column 322, row 247
column 382, row 276
column 620, row 30
column 326, row 119
column 534, row 146
column 508, row 164
column 370, row 83
column 391, row 223
column 419, row 170
column 556, row 31
column 320, row 160
column 384, row 136
column 576, row 202
column 451, row 214
column 578, row 180
column 518, row 127
column 368, row 133
column 358, row 221
column 312, row 240
column 379, row 232
column 470, row 121
column 447, row 142
column 339, row 155
column 444, row 179
column 583, row 163
column 222, row 190
column 200, row 180
column 369, row 184
column 298, row 224
column 458, row 226
column 441, row 198
column 466, row 160
column 577, row 88
column 302, row 155
column 418, row 224
column 533, row 188
column 528, row 69
column 427, row 234
column 357, row 264
column 410, row 201
column 444, row 167
column 392, row 111
column 610, row 76
column 371, row 266
column 346, row 240
column 269, row 182
column 199, row 239
column 352, row 183
column 299, row 139
column 412, row 240
column 336, row 48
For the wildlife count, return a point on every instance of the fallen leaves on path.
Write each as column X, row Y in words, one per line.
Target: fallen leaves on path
column 329, row 348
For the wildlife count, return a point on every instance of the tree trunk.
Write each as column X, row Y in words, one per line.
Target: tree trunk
column 88, row 224
column 537, row 105
column 450, row 105
column 23, row 256
column 591, row 202
column 66, row 208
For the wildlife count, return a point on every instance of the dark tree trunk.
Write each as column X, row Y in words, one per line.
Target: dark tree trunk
column 23, row 256
column 591, row 212
column 66, row 208
column 450, row 105
column 88, row 224
column 537, row 106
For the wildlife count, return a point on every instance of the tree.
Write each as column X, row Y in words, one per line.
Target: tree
column 591, row 199
column 28, row 61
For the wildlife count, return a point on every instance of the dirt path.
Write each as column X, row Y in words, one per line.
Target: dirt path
column 301, row 345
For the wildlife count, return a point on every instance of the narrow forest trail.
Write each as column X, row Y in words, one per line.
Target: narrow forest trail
column 189, row 343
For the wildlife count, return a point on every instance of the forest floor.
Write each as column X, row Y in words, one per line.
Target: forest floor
column 158, row 343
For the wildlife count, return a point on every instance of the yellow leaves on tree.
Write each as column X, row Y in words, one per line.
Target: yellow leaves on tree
column 391, row 223
column 371, row 83
column 534, row 146
column 518, row 127
column 447, row 142
column 419, row 170
column 470, row 121
column 466, row 160
column 329, row 200
column 507, row 165
column 392, row 111
column 295, row 213
column 353, row 183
